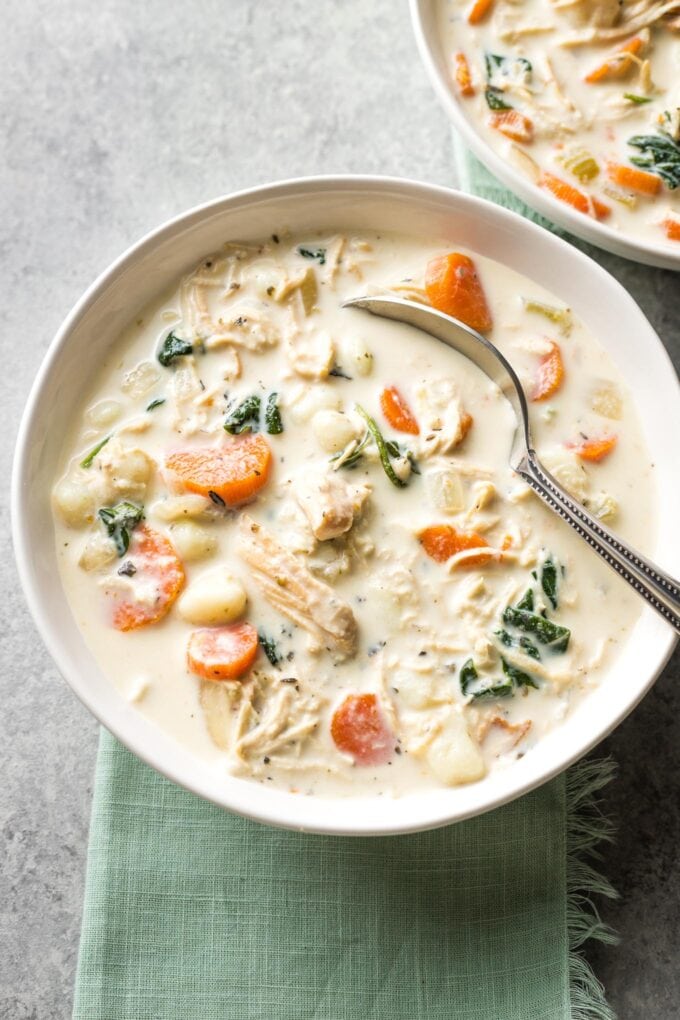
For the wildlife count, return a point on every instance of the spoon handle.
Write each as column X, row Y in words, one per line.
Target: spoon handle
column 658, row 588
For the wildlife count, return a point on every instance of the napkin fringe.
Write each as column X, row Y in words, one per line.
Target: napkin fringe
column 587, row 829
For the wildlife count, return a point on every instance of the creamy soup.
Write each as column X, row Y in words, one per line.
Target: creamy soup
column 290, row 535
column 583, row 96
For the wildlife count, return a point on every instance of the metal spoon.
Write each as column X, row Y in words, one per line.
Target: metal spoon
column 658, row 588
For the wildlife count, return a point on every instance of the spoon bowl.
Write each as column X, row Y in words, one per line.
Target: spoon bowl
column 653, row 584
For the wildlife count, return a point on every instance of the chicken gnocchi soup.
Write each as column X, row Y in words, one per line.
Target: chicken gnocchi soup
column 582, row 96
column 290, row 535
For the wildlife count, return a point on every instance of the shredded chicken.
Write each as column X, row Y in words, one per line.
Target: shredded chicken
column 510, row 734
column 187, row 390
column 443, row 421
column 634, row 17
column 331, row 504
column 309, row 354
column 590, row 13
column 303, row 286
column 269, row 714
column 294, row 591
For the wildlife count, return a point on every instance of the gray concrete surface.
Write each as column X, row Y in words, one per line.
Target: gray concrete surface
column 115, row 116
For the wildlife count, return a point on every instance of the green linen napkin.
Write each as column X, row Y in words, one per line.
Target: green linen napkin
column 192, row 913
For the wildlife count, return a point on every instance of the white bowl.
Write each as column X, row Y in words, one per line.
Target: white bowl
column 423, row 16
column 362, row 203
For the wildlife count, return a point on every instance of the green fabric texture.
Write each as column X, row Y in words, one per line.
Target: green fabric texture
column 192, row 913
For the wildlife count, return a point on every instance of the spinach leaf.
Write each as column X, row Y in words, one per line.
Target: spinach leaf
column 269, row 647
column 549, row 581
column 468, row 675
column 494, row 99
column 499, row 690
column 317, row 254
column 173, row 347
column 86, row 462
column 272, row 415
column 545, row 631
column 525, row 643
column 505, row 638
column 244, row 418
column 495, row 62
column 529, row 648
column 527, row 600
column 119, row 521
column 382, row 448
column 640, row 100
column 660, row 154
column 155, row 403
column 517, row 676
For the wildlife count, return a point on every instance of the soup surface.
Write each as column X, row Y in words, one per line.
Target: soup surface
column 582, row 96
column 290, row 535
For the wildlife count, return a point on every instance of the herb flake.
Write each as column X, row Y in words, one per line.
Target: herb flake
column 217, row 499
column 355, row 456
column 270, row 649
column 86, row 462
column 317, row 254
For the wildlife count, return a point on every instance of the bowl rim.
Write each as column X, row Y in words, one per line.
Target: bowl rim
column 289, row 815
column 546, row 204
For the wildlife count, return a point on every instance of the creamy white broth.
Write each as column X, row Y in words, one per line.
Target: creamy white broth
column 418, row 620
column 571, row 119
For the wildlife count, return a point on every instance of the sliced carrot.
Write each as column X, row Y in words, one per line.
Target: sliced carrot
column 672, row 228
column 359, row 728
column 594, row 449
column 397, row 411
column 453, row 287
column 636, row 180
column 513, row 124
column 550, row 375
column 572, row 196
column 463, row 76
column 234, row 471
column 479, row 11
column 442, row 541
column 618, row 64
column 222, row 653
column 153, row 585
column 601, row 209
